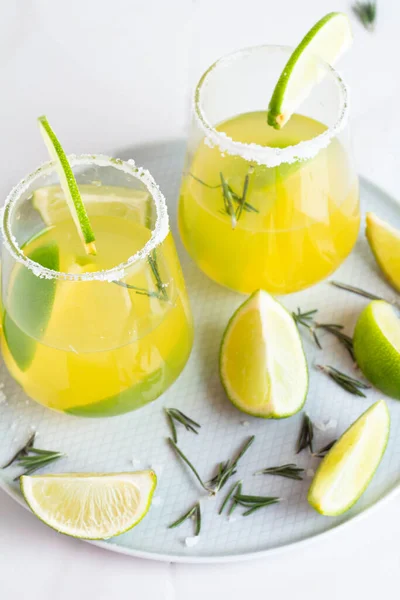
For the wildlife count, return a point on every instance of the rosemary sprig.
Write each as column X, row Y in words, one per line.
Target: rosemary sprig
column 351, row 385
column 306, row 319
column 306, row 436
column 355, row 290
column 194, row 512
column 140, row 291
column 366, row 13
column 227, row 469
column 189, row 464
column 243, row 205
column 173, row 414
column 253, row 503
column 291, row 471
column 228, row 201
column 32, row 458
column 229, row 495
column 153, row 262
column 324, row 451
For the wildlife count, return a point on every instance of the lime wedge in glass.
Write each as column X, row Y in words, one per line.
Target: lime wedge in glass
column 90, row 505
column 31, row 299
column 376, row 343
column 349, row 466
column 69, row 186
column 384, row 241
column 262, row 364
column 328, row 39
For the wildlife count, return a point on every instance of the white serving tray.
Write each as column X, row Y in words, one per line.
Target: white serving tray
column 138, row 440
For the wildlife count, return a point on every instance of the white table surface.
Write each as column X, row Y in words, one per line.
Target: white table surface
column 110, row 75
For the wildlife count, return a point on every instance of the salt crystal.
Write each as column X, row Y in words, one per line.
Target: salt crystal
column 3, row 397
column 232, row 519
column 245, row 424
column 310, row 473
column 136, row 463
column 157, row 501
column 192, row 541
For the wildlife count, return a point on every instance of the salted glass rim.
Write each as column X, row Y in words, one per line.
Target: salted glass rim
column 158, row 234
column 268, row 155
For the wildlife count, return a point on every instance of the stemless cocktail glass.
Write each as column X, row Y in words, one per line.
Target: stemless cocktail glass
column 266, row 208
column 92, row 336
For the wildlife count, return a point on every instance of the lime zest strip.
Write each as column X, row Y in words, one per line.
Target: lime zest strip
column 69, row 186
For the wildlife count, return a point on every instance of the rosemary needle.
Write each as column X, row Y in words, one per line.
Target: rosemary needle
column 291, row 471
column 324, row 451
column 173, row 414
column 306, row 435
column 350, row 384
column 228, row 201
column 189, row 464
column 194, row 512
column 233, row 489
column 253, row 503
column 355, row 290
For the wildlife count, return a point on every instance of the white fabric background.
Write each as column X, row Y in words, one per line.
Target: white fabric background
column 114, row 74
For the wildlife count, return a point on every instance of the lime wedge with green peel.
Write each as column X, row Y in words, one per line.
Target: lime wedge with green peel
column 328, row 39
column 69, row 186
column 347, row 469
column 31, row 299
column 376, row 344
column 384, row 241
column 90, row 505
column 262, row 364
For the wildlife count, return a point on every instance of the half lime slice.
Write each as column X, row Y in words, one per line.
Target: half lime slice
column 262, row 364
column 90, row 505
column 328, row 39
column 69, row 186
column 347, row 469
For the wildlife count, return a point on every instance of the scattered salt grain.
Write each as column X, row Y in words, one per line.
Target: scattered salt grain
column 310, row 473
column 192, row 541
column 136, row 463
column 1, row 385
column 3, row 397
column 245, row 424
column 232, row 519
column 157, row 501
column 325, row 425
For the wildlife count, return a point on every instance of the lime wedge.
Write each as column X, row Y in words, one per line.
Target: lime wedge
column 262, row 364
column 32, row 316
column 376, row 343
column 347, row 469
column 328, row 39
column 69, row 186
column 90, row 505
column 384, row 241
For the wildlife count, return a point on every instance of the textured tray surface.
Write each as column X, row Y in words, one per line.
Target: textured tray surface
column 138, row 439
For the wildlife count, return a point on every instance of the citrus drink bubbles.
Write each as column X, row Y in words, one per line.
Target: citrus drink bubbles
column 265, row 208
column 93, row 339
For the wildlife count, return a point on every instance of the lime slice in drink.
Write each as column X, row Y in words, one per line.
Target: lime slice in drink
column 384, row 241
column 69, row 186
column 90, row 505
column 347, row 469
column 262, row 364
column 31, row 301
column 328, row 39
column 376, row 343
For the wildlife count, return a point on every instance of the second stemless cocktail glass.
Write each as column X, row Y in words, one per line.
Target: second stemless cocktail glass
column 266, row 208
column 92, row 335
